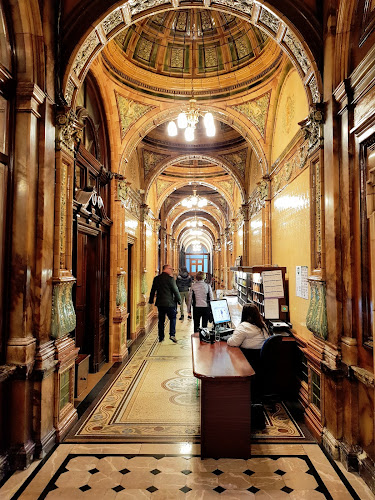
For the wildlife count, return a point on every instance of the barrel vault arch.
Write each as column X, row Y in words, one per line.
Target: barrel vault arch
column 177, row 185
column 218, row 161
column 227, row 116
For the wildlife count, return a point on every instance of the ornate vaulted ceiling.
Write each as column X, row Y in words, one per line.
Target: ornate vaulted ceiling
column 201, row 48
column 192, row 43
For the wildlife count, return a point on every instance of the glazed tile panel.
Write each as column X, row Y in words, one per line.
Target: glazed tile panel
column 290, row 238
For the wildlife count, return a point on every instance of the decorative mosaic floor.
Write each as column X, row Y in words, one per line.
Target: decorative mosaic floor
column 175, row 471
column 155, row 398
column 137, row 467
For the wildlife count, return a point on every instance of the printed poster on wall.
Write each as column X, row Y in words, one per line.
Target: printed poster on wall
column 302, row 284
column 273, row 287
column 271, row 308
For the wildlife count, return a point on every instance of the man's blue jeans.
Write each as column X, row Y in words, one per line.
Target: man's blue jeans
column 171, row 312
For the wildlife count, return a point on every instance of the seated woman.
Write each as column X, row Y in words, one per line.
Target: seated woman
column 199, row 297
column 250, row 335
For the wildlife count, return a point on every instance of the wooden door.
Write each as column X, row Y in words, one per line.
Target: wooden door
column 81, row 292
column 196, row 265
column 91, row 329
column 129, row 304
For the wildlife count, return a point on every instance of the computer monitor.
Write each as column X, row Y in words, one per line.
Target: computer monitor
column 220, row 311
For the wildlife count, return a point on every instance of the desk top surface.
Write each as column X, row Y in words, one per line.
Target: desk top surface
column 218, row 360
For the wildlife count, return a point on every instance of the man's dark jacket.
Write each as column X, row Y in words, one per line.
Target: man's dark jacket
column 183, row 281
column 167, row 293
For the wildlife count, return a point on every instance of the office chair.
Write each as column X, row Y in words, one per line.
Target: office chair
column 277, row 367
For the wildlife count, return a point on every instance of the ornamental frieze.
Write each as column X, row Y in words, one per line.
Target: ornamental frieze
column 112, row 21
column 137, row 6
column 269, row 20
column 245, row 6
column 297, row 50
column 84, row 53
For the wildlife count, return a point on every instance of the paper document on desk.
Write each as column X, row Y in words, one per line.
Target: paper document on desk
column 280, row 324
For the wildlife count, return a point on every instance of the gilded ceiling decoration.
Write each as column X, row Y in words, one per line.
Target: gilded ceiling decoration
column 195, row 42
column 191, row 42
column 161, row 186
column 228, row 186
column 151, row 159
column 237, row 160
column 256, row 111
column 129, row 112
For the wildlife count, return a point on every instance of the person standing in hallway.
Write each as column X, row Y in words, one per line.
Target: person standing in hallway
column 167, row 295
column 183, row 284
column 199, row 296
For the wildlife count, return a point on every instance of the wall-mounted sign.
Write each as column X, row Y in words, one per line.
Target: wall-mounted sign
column 302, row 285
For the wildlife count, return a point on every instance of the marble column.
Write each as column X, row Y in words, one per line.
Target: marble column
column 24, row 306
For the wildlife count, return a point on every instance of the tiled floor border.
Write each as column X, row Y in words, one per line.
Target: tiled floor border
column 323, row 489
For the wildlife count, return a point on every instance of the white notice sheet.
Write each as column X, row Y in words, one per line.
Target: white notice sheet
column 271, row 308
column 273, row 287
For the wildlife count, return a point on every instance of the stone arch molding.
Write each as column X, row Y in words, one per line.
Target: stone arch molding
column 229, row 117
column 206, row 209
column 177, row 185
column 218, row 161
column 123, row 14
column 206, row 214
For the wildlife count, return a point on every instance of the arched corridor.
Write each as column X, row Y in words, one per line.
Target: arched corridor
column 229, row 137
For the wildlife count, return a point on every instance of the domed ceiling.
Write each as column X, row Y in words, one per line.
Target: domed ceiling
column 214, row 53
column 193, row 42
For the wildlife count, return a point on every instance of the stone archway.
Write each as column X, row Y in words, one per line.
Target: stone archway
column 106, row 21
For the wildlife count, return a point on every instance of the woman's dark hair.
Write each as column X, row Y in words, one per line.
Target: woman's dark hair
column 251, row 314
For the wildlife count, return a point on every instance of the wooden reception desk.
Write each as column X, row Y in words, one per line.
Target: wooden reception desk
column 225, row 399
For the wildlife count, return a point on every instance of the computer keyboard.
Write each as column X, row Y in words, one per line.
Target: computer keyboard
column 225, row 332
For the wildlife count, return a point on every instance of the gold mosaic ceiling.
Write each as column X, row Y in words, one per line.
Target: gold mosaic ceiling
column 197, row 45
column 192, row 42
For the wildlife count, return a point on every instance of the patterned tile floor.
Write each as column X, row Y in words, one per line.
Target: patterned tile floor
column 175, row 471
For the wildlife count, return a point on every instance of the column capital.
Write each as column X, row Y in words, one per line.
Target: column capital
column 29, row 98
column 68, row 129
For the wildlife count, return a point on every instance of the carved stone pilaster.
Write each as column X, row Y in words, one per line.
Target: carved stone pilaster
column 63, row 313
column 316, row 319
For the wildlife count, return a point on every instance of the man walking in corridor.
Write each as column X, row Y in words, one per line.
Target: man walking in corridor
column 167, row 295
